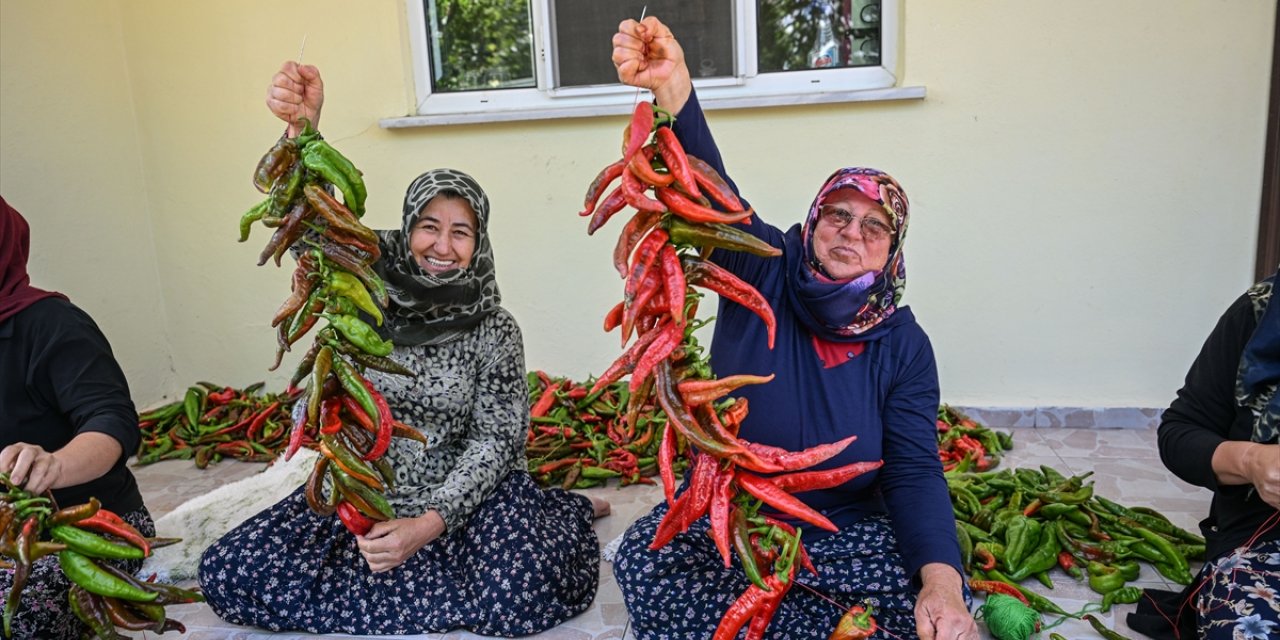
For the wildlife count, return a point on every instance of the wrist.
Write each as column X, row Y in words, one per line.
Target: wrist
column 940, row 574
column 674, row 93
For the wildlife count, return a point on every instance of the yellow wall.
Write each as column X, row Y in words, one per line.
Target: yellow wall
column 1084, row 177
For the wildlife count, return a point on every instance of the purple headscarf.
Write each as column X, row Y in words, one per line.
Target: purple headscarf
column 852, row 310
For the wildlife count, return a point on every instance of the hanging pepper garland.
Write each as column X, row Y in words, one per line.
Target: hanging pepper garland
column 334, row 280
column 661, row 253
column 85, row 538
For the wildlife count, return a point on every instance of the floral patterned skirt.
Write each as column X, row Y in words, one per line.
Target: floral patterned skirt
column 683, row 589
column 526, row 561
column 43, row 611
column 1240, row 599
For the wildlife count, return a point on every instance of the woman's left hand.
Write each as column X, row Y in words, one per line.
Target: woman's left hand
column 388, row 544
column 940, row 610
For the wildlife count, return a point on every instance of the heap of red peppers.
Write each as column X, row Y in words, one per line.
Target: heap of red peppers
column 86, row 538
column 661, row 253
column 334, row 280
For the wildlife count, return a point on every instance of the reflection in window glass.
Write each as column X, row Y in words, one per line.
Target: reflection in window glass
column 480, row 44
column 796, row 35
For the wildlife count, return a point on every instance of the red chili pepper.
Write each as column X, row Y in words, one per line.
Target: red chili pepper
column 740, row 612
column 598, row 185
column 666, row 458
column 825, row 479
column 642, row 168
column 637, row 226
column 105, row 521
column 545, row 401
column 385, row 427
column 1066, row 560
column 765, row 490
column 988, row 558
column 261, row 418
column 633, row 192
column 691, row 504
column 560, row 464
column 698, row 392
column 612, row 203
column 995, row 586
column 357, row 413
column 641, row 307
column 719, row 512
column 678, row 204
column 356, row 522
column 776, row 459
column 658, row 350
column 638, row 129
column 856, row 624
column 330, row 421
column 673, row 283
column 710, row 276
column 677, row 162
column 626, row 363
column 714, row 185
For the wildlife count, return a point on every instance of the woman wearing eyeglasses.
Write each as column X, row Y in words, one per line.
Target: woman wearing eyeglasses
column 848, row 361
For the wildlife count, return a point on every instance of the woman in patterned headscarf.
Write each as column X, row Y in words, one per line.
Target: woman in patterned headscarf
column 1222, row 432
column 848, row 361
column 476, row 544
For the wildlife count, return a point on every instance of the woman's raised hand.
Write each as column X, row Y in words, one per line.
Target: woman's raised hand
column 648, row 56
column 296, row 92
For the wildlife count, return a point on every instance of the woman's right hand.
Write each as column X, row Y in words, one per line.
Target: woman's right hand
column 647, row 55
column 296, row 92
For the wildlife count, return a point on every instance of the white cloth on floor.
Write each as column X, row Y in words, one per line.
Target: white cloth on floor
column 200, row 521
column 611, row 550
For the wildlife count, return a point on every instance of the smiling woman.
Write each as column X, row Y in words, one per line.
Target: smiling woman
column 474, row 543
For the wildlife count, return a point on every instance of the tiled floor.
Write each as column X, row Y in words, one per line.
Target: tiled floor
column 1125, row 463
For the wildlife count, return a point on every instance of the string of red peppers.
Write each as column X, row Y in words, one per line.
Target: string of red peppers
column 334, row 280
column 661, row 254
column 85, row 538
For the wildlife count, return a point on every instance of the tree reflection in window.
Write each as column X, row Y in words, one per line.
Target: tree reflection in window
column 480, row 44
column 796, row 35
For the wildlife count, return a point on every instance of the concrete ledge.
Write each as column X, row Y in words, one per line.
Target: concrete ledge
column 1065, row 417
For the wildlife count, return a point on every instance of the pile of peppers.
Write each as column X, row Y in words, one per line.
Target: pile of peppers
column 1022, row 523
column 213, row 422
column 579, row 438
column 334, row 280
column 964, row 444
column 661, row 254
column 85, row 538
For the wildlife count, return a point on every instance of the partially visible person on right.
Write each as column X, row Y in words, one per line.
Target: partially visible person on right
column 1223, row 433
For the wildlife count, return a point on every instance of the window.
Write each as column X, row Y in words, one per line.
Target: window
column 483, row 60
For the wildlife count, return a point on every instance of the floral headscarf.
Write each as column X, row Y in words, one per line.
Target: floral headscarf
column 853, row 310
column 431, row 308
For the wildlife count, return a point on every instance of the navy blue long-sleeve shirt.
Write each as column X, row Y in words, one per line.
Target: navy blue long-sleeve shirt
column 886, row 393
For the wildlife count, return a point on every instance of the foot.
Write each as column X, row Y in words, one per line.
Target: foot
column 599, row 506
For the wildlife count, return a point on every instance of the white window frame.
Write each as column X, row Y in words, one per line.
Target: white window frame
column 748, row 89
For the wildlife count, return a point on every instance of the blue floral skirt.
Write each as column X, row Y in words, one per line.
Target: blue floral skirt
column 526, row 561
column 43, row 611
column 1240, row 599
column 683, row 589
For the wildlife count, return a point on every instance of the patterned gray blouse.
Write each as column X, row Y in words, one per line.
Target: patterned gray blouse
column 470, row 400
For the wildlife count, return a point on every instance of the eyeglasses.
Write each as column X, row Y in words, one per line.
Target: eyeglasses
column 871, row 228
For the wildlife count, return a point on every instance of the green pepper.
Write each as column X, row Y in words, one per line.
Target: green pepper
column 966, row 547
column 353, row 383
column 1102, row 629
column 597, row 473
column 1171, row 555
column 360, row 334
column 1021, row 536
column 93, row 545
column 191, row 406
column 1037, row 601
column 83, row 571
column 319, row 373
column 741, row 533
column 1128, row 568
column 335, row 168
column 1041, row 559
column 1055, row 510
column 350, row 287
column 1103, row 578
column 716, row 235
column 1123, row 595
column 371, row 497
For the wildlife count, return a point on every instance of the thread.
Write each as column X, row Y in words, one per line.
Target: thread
column 1007, row 618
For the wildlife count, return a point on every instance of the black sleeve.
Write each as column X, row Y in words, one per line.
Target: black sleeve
column 1201, row 416
column 74, row 366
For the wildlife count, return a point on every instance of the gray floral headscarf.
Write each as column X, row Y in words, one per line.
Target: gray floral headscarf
column 431, row 308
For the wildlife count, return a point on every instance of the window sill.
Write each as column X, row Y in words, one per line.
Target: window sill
column 709, row 102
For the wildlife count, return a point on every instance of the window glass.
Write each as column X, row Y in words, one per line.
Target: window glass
column 480, row 44
column 583, row 31
column 796, row 35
